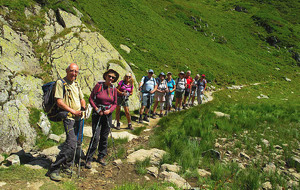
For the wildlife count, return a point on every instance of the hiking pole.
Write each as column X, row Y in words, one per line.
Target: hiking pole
column 149, row 107
column 110, row 129
column 80, row 148
column 73, row 162
column 93, row 138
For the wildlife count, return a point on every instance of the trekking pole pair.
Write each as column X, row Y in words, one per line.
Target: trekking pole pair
column 76, row 147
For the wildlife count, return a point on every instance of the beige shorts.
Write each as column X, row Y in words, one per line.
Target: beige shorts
column 161, row 97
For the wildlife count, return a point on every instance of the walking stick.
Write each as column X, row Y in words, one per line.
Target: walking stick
column 79, row 164
column 114, row 148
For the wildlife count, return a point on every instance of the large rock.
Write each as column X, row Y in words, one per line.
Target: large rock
column 15, row 128
column 68, row 20
column 169, row 167
column 175, row 178
column 154, row 154
column 13, row 160
column 44, row 124
column 124, row 135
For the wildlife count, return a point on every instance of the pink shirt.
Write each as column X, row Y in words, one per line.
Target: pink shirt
column 124, row 87
column 106, row 96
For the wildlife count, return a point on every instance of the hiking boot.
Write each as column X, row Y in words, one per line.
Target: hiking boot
column 161, row 115
column 55, row 176
column 140, row 119
column 130, row 126
column 179, row 109
column 146, row 118
column 88, row 165
column 102, row 161
column 68, row 171
column 166, row 113
column 153, row 116
column 118, row 126
column 183, row 106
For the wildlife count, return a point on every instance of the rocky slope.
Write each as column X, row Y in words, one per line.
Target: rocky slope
column 25, row 61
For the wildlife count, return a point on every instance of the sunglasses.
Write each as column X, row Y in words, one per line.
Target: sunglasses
column 110, row 76
column 128, row 76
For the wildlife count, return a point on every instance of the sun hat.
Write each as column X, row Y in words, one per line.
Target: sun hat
column 181, row 73
column 111, row 71
column 169, row 73
column 162, row 74
column 203, row 75
column 150, row 71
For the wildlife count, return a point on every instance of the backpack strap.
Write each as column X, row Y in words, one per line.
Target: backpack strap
column 64, row 86
column 100, row 89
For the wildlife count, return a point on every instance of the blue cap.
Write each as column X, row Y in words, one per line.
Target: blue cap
column 150, row 71
column 162, row 73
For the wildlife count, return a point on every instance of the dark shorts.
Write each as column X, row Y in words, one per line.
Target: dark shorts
column 122, row 102
column 179, row 94
column 187, row 92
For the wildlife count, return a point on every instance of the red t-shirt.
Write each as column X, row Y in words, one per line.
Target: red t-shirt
column 189, row 80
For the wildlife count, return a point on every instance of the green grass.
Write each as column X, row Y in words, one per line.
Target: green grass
column 145, row 186
column 140, row 166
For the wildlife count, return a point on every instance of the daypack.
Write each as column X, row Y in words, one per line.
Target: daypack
column 54, row 113
column 146, row 79
column 100, row 89
column 177, row 87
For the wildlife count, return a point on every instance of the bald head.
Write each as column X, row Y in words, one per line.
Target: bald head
column 72, row 71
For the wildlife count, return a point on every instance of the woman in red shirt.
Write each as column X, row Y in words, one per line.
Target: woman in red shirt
column 103, row 99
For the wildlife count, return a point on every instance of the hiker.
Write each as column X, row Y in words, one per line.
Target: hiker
column 170, row 94
column 147, row 87
column 201, row 87
column 187, row 91
column 181, row 85
column 70, row 100
column 125, row 89
column 193, row 90
column 160, row 94
column 103, row 99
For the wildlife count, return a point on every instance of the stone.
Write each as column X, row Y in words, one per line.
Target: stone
column 287, row 79
column 169, row 188
column 296, row 175
column 124, row 135
column 15, row 127
column 266, row 142
column 63, row 137
column 13, row 160
column 125, row 48
column 88, row 131
column 244, row 155
column 261, row 96
column 27, row 13
column 175, row 178
column 54, row 137
column 152, row 171
column 146, row 130
column 277, row 147
column 241, row 166
column 203, row 173
column 270, row 168
column 154, row 154
column 147, row 178
column 78, row 13
column 2, row 158
column 212, row 153
column 235, row 87
column 171, row 168
column 294, row 161
column 44, row 124
column 220, row 114
column 2, row 183
column 51, row 151
column 267, row 185
column 118, row 162
column 278, row 69
column 68, row 20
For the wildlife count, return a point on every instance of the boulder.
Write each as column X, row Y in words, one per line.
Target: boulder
column 88, row 131
column 152, row 171
column 118, row 162
column 244, row 155
column 266, row 142
column 220, row 114
column 262, row 96
column 294, row 161
column 267, row 185
column 154, row 154
column 175, row 178
column 203, row 173
column 54, row 137
column 125, row 48
column 270, row 168
column 287, row 79
column 51, row 151
column 1, row 159
column 44, row 124
column 124, row 135
column 68, row 20
column 13, row 160
column 2, row 183
column 15, row 128
column 169, row 167
column 235, row 87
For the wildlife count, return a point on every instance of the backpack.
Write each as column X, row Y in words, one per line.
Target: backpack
column 177, row 80
column 100, row 89
column 53, row 112
column 146, row 80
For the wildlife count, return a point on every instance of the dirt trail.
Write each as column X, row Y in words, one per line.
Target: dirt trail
column 112, row 175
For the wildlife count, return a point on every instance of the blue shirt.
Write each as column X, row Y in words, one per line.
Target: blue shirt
column 171, row 85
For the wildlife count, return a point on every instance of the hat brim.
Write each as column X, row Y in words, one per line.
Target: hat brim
column 111, row 71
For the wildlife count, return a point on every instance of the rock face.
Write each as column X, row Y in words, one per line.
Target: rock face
column 64, row 40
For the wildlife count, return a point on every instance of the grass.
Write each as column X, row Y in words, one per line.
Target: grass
column 140, row 166
column 145, row 186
